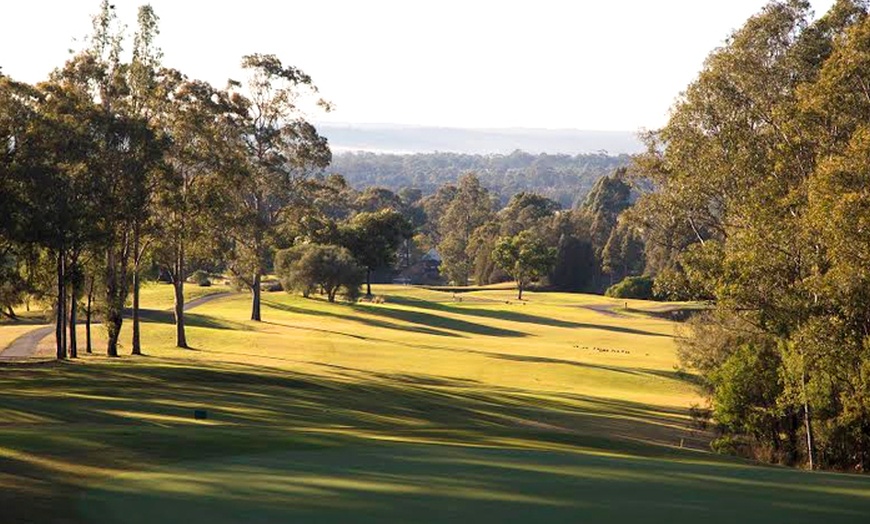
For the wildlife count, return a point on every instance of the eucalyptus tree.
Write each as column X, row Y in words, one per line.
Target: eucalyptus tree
column 190, row 198
column 126, row 154
column 282, row 151
column 831, row 351
column 15, row 114
column 525, row 257
column 374, row 239
column 470, row 208
column 742, row 165
column 141, row 78
column 49, row 154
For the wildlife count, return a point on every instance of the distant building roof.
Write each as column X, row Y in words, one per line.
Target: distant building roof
column 433, row 255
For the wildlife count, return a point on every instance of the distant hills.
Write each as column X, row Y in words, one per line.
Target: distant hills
column 402, row 139
column 561, row 177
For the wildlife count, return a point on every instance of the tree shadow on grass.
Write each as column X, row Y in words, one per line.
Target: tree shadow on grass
column 192, row 320
column 514, row 316
column 167, row 391
column 400, row 447
column 429, row 319
column 353, row 318
column 670, row 375
column 421, row 322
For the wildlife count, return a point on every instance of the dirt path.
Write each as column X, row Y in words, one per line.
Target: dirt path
column 204, row 300
column 27, row 344
column 607, row 310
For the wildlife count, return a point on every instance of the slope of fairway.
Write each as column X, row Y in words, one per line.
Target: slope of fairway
column 423, row 408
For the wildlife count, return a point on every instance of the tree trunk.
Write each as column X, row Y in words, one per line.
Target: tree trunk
column 137, row 345
column 60, row 317
column 114, row 317
column 114, row 321
column 180, row 335
column 369, row 282
column 88, row 310
column 808, row 425
column 255, row 301
column 520, row 287
column 137, row 339
column 73, row 338
column 11, row 312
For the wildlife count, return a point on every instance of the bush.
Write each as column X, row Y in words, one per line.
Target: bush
column 200, row 278
column 731, row 445
column 633, row 287
column 308, row 267
column 272, row 286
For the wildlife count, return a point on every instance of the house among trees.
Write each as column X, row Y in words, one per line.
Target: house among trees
column 425, row 271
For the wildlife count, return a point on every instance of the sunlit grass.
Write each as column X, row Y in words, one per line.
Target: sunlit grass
column 423, row 408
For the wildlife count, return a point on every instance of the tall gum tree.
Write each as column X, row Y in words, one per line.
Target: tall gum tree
column 282, row 150
column 470, row 208
column 126, row 153
column 191, row 196
column 736, row 165
column 141, row 77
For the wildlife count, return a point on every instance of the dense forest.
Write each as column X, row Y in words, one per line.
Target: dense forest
column 760, row 201
column 563, row 178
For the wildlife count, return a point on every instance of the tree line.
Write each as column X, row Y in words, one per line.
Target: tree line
column 756, row 197
column 563, row 178
column 114, row 168
column 111, row 164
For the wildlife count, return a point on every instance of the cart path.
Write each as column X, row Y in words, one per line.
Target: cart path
column 27, row 344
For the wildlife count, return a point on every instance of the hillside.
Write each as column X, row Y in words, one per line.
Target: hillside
column 564, row 178
column 398, row 139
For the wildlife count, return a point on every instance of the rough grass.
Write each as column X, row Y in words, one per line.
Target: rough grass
column 420, row 409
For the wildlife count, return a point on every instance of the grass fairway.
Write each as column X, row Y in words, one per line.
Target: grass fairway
column 421, row 409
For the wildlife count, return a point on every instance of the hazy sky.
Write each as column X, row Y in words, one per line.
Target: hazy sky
column 584, row 64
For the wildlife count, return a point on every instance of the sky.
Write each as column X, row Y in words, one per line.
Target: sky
column 614, row 65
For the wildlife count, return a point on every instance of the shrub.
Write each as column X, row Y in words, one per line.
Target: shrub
column 307, row 267
column 632, row 287
column 271, row 286
column 200, row 278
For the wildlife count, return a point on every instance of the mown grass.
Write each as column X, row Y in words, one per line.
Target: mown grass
column 157, row 298
column 421, row 409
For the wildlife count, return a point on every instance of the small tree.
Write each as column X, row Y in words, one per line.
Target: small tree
column 374, row 238
column 524, row 257
column 306, row 267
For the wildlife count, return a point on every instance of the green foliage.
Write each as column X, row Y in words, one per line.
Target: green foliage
column 525, row 257
column 280, row 152
column 374, row 238
column 13, row 285
column 617, row 247
column 563, row 178
column 470, row 208
column 308, row 267
column 623, row 255
column 758, row 200
column 746, row 387
column 633, row 287
column 575, row 263
column 200, row 278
